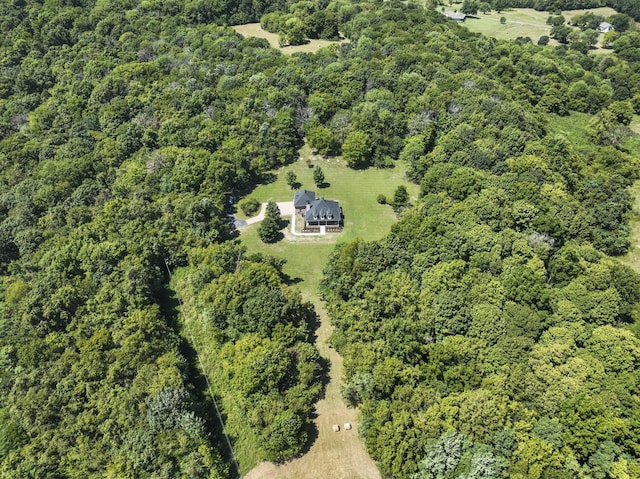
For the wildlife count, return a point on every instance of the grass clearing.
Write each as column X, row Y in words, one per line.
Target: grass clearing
column 573, row 127
column 524, row 22
column 255, row 30
column 357, row 192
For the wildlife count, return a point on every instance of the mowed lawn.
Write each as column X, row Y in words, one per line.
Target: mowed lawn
column 357, row 192
column 523, row 22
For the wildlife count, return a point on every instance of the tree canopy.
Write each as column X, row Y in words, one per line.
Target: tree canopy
column 483, row 324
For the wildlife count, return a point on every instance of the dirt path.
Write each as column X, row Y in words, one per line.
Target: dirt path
column 333, row 455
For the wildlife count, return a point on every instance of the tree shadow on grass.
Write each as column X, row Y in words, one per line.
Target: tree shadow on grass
column 313, row 323
column 267, row 178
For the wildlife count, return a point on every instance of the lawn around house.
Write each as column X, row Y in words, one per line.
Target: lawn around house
column 356, row 190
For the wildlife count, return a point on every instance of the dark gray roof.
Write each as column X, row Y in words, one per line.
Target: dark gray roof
column 303, row 198
column 323, row 210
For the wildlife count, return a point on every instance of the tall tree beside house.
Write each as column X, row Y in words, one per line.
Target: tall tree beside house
column 357, row 150
column 470, row 7
column 269, row 229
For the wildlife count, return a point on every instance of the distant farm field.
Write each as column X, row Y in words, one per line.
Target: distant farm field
column 255, row 30
column 523, row 22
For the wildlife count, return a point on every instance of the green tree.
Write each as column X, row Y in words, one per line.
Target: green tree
column 318, row 176
column 249, row 205
column 321, row 139
column 556, row 20
column 357, row 149
column 620, row 22
column 284, row 437
column 269, row 229
column 604, row 129
column 292, row 179
column 561, row 33
column 400, row 197
column 469, row 7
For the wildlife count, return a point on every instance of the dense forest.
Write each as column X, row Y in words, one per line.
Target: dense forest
column 490, row 334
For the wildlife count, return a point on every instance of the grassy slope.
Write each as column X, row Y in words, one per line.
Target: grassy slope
column 573, row 127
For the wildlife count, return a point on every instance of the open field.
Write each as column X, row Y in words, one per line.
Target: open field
column 524, row 22
column 332, row 455
column 254, row 30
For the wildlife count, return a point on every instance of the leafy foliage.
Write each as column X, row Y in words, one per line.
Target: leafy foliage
column 488, row 310
column 264, row 367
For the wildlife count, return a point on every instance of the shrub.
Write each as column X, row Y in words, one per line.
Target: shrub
column 249, row 206
column 381, row 199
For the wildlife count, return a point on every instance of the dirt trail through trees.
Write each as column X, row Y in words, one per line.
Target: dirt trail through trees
column 333, row 455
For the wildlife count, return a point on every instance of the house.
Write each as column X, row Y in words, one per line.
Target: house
column 605, row 27
column 323, row 213
column 458, row 17
column 302, row 200
column 317, row 211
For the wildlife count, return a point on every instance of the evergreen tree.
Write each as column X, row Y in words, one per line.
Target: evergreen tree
column 269, row 229
column 318, row 176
